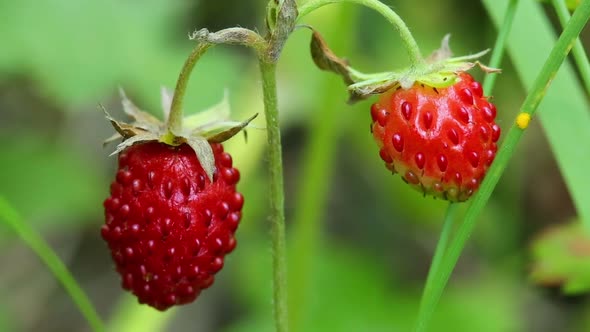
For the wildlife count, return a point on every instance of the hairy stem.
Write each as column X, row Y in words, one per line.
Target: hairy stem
column 11, row 219
column 277, row 196
column 408, row 40
column 529, row 106
column 176, row 111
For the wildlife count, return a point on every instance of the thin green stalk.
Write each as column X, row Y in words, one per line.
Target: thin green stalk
column 499, row 46
column 425, row 312
column 529, row 106
column 11, row 218
column 578, row 51
column 439, row 253
column 408, row 40
column 277, row 196
column 176, row 111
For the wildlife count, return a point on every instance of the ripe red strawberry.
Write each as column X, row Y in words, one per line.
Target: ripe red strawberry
column 173, row 208
column 440, row 140
column 167, row 225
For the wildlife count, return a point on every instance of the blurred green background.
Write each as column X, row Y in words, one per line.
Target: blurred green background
column 360, row 241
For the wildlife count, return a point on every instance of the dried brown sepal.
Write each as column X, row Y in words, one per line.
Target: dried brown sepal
column 125, row 130
column 141, row 119
column 326, row 59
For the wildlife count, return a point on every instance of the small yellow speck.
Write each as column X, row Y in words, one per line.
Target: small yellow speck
column 523, row 120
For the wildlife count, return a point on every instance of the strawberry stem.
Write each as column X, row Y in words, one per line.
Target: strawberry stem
column 11, row 218
column 176, row 112
column 529, row 106
column 277, row 195
column 408, row 40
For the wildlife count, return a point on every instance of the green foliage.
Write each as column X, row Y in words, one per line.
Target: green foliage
column 79, row 52
column 560, row 258
column 564, row 111
column 49, row 181
column 351, row 292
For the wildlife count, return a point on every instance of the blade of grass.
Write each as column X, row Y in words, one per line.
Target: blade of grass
column 529, row 106
column 578, row 51
column 11, row 219
column 439, row 251
column 565, row 117
column 500, row 46
column 424, row 313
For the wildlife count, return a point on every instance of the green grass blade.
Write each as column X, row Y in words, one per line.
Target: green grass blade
column 534, row 98
column 439, row 253
column 426, row 312
column 500, row 46
column 11, row 219
column 564, row 116
column 578, row 51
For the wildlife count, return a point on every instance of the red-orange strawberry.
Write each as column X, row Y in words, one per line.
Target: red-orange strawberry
column 440, row 140
column 167, row 225
column 173, row 210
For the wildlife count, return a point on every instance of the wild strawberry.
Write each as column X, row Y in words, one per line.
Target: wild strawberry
column 441, row 141
column 173, row 209
column 432, row 122
column 167, row 225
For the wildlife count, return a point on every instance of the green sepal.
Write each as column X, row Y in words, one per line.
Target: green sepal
column 439, row 70
column 212, row 125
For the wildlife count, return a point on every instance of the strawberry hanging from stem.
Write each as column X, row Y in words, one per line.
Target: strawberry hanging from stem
column 432, row 123
column 173, row 209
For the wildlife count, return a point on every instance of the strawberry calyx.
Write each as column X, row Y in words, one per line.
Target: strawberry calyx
column 199, row 131
column 439, row 70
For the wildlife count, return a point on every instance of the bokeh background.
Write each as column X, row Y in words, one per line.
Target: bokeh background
column 360, row 241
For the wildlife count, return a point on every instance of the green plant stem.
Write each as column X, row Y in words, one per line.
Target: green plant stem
column 408, row 40
column 532, row 101
column 439, row 253
column 11, row 219
column 277, row 196
column 578, row 51
column 499, row 46
column 176, row 111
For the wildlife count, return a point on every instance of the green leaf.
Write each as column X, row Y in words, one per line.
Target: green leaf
column 564, row 110
column 561, row 257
